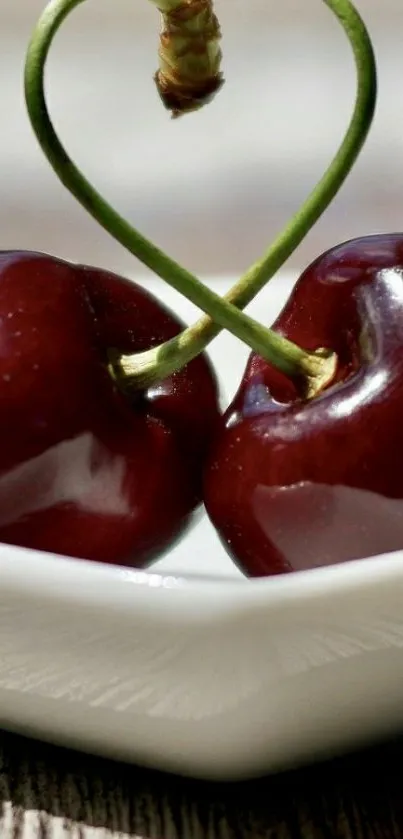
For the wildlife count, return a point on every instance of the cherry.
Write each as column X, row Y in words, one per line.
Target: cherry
column 293, row 483
column 85, row 470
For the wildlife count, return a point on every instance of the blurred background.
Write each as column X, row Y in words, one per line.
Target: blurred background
column 212, row 188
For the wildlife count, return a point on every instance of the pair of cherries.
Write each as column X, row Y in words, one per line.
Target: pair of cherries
column 111, row 434
column 90, row 469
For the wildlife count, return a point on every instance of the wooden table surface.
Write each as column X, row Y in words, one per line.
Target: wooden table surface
column 50, row 792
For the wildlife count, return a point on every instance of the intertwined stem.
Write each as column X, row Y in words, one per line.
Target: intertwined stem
column 156, row 364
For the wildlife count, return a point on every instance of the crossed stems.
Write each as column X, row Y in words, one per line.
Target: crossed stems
column 146, row 368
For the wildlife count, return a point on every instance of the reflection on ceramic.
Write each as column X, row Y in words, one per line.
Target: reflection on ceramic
column 192, row 668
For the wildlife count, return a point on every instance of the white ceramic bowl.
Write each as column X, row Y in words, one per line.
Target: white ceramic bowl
column 192, row 668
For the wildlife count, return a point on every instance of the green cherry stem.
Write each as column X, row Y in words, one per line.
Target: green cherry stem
column 322, row 195
column 289, row 358
column 141, row 368
column 152, row 366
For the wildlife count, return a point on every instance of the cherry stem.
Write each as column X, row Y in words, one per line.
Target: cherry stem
column 154, row 365
column 189, row 73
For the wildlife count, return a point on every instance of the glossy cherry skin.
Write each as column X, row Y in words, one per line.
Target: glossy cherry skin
column 84, row 470
column 293, row 484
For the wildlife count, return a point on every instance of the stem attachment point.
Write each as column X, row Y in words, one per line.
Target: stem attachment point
column 320, row 372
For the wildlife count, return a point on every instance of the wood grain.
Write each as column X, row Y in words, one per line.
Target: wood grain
column 48, row 792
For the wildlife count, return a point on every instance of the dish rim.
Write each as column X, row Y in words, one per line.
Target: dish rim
column 100, row 585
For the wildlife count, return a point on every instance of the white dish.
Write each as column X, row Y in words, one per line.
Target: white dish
column 191, row 668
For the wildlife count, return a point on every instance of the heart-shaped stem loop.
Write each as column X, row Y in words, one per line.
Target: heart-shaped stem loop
column 152, row 366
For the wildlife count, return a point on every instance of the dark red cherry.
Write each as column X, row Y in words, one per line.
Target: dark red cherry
column 293, row 484
column 84, row 470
